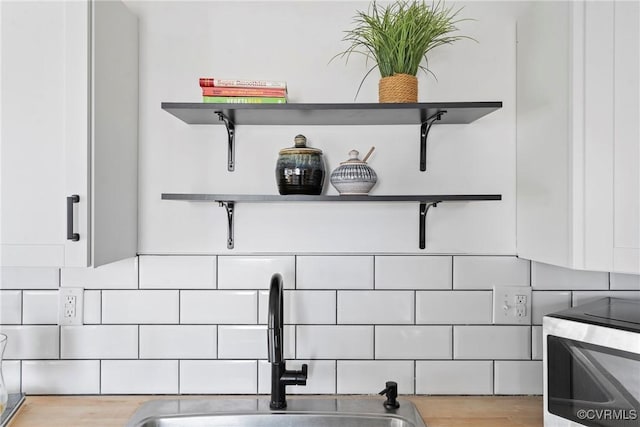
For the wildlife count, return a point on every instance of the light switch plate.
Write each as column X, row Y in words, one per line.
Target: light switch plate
column 512, row 305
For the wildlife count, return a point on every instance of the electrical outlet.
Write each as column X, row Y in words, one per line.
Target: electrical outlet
column 512, row 305
column 521, row 299
column 70, row 306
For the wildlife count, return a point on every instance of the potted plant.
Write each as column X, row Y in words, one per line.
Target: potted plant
column 398, row 37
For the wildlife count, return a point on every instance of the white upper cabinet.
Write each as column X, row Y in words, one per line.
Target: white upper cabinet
column 578, row 156
column 69, row 123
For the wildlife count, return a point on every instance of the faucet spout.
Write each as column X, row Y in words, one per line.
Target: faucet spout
column 280, row 376
column 275, row 320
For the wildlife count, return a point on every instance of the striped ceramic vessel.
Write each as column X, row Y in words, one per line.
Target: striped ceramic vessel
column 353, row 176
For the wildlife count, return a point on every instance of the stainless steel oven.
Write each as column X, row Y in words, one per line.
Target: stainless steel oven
column 592, row 365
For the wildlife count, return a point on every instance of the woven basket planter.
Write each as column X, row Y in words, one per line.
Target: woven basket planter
column 398, row 88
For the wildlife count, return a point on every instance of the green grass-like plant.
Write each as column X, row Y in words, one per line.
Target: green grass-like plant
column 398, row 36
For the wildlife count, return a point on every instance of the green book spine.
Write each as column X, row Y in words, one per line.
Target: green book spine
column 243, row 100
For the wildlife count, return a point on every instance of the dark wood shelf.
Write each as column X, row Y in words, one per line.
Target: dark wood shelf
column 196, row 113
column 266, row 198
column 228, row 201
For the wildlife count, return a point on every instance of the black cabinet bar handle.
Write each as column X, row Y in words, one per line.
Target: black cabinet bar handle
column 70, row 234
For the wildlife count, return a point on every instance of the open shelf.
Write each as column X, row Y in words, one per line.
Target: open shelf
column 196, row 113
column 228, row 201
column 423, row 114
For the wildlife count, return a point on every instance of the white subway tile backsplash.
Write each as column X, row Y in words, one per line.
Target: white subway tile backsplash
column 356, row 320
column 454, row 377
column 619, row 281
column 254, row 272
column 250, row 342
column 31, row 342
column 10, row 307
column 133, row 307
column 547, row 276
column 585, row 297
column 29, row 278
column 413, row 342
column 485, row 272
column 492, row 342
column 99, row 342
column 536, row 343
column 413, row 272
column 116, row 275
column 369, row 376
column 321, row 377
column 334, row 272
column 454, row 307
column 61, row 377
column 178, row 341
column 178, row 272
column 139, row 377
column 546, row 302
column 218, row 376
column 219, row 307
column 11, row 374
column 302, row 307
column 518, row 377
column 371, row 307
column 40, row 307
column 92, row 307
column 334, row 342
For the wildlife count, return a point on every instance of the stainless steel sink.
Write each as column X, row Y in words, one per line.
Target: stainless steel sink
column 347, row 412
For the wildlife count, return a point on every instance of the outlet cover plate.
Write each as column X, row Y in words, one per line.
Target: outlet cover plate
column 512, row 305
column 70, row 306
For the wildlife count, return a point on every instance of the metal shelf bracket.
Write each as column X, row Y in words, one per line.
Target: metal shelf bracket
column 424, row 133
column 424, row 208
column 228, row 201
column 229, row 208
column 231, row 133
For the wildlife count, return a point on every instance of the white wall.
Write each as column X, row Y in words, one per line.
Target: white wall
column 294, row 41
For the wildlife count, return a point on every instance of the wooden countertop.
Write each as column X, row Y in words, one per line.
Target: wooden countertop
column 437, row 411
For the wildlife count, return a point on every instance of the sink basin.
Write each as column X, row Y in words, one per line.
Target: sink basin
column 348, row 412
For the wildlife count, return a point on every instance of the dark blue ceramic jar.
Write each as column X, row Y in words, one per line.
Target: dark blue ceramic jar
column 300, row 169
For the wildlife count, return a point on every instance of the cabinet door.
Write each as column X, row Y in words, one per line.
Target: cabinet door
column 626, row 180
column 115, row 133
column 578, row 135
column 67, row 129
column 103, row 75
column 612, row 138
column 33, row 133
column 548, row 46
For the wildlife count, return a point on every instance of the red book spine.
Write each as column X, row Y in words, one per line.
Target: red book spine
column 233, row 91
column 270, row 84
column 206, row 82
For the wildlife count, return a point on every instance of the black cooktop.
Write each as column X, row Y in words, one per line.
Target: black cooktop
column 610, row 312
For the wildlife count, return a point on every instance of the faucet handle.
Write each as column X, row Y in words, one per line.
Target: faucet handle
column 303, row 374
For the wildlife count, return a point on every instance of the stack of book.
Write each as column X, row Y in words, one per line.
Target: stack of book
column 227, row 91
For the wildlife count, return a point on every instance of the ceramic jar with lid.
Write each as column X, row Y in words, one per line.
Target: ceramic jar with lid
column 353, row 176
column 300, row 169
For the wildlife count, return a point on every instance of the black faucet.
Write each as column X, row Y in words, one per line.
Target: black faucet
column 280, row 377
